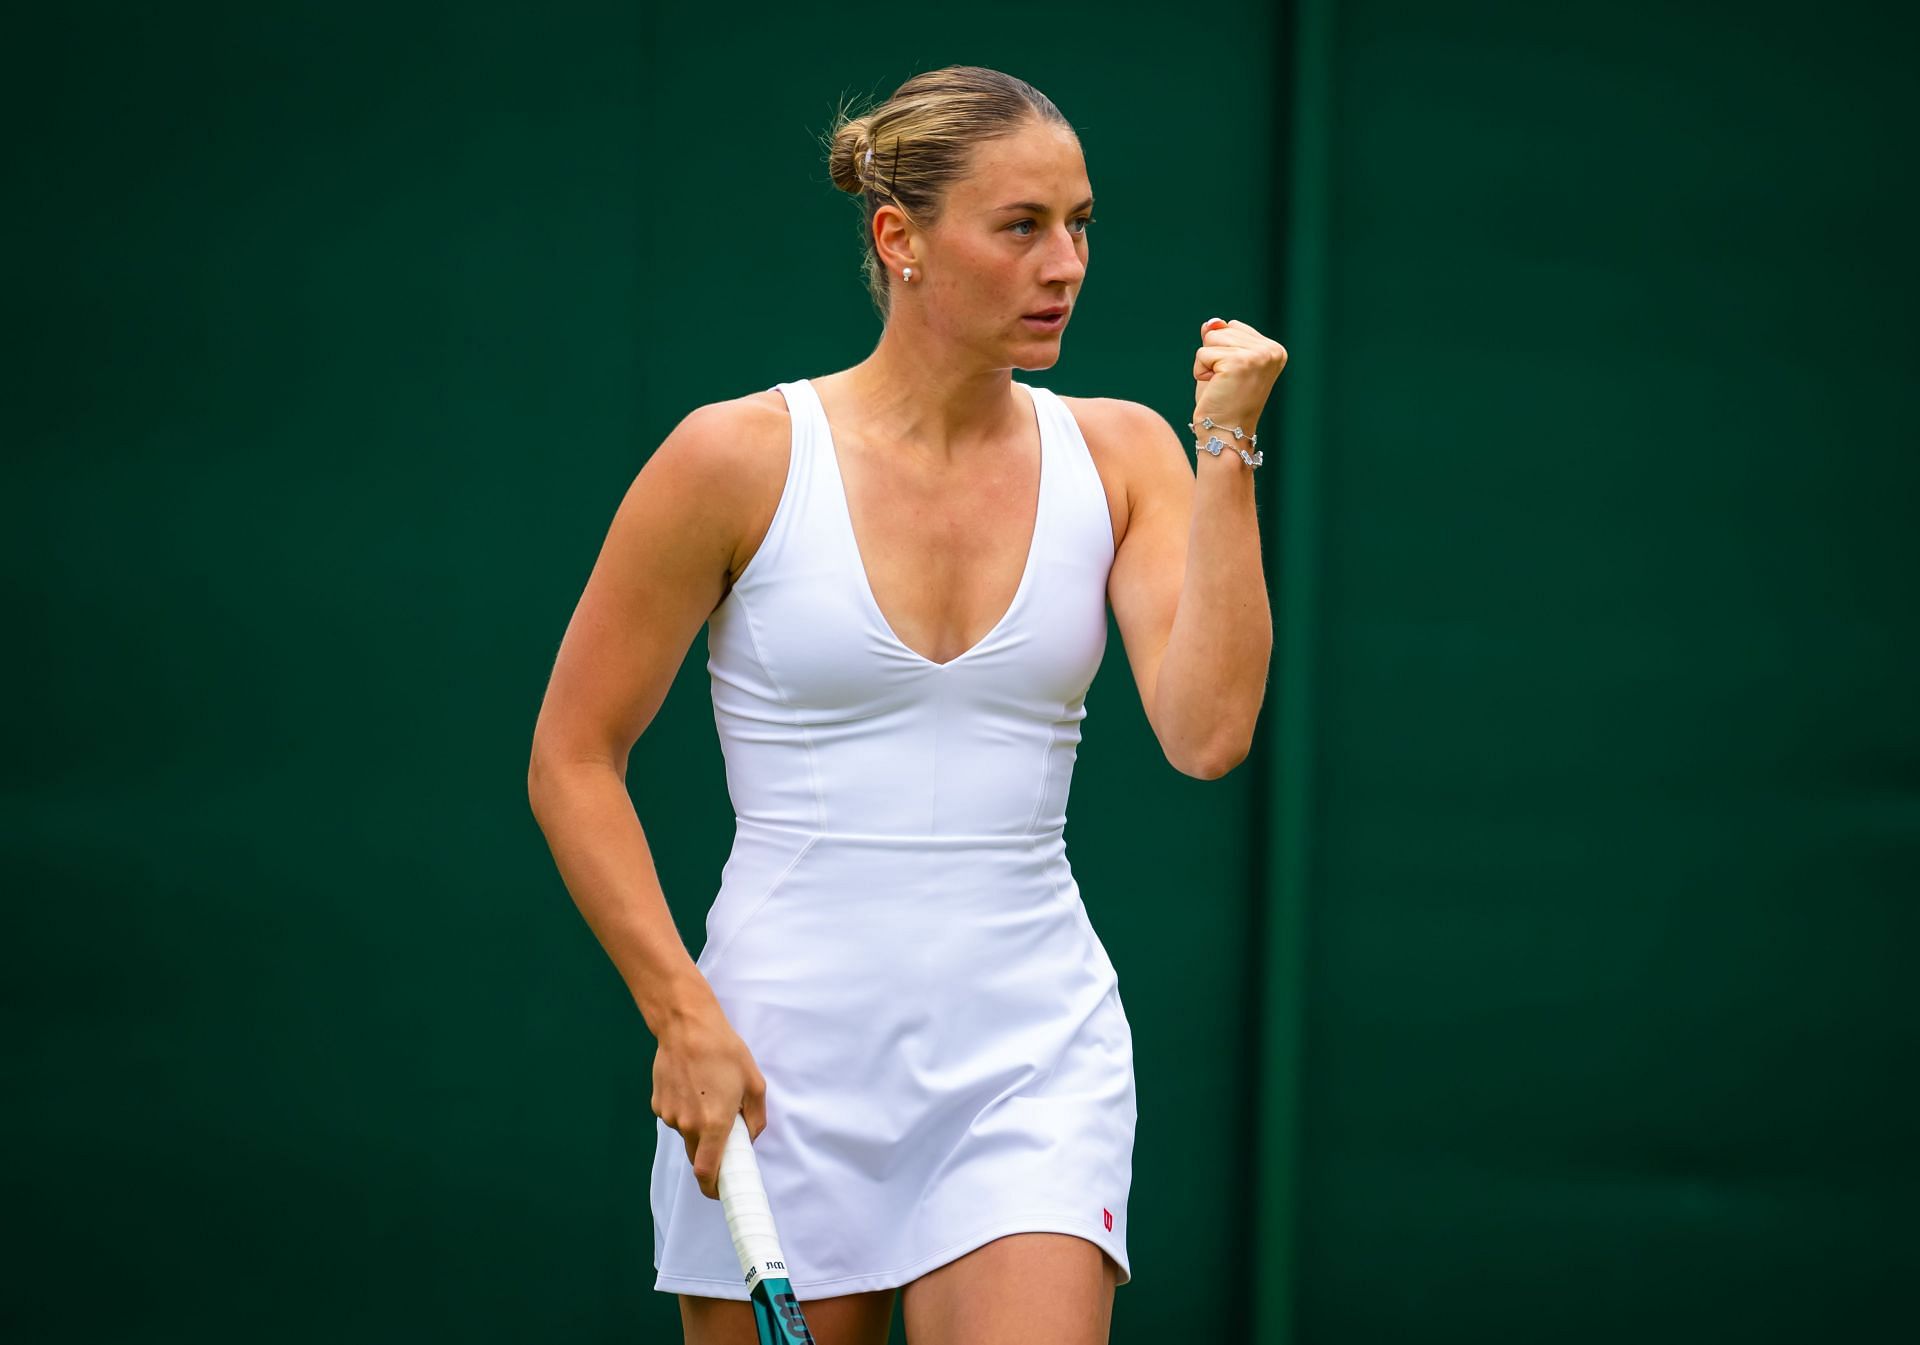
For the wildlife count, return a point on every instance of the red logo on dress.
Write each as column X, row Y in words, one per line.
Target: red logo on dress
column 1109, row 1213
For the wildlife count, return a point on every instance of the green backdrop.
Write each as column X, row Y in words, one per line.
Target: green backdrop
column 1543, row 974
column 1603, row 790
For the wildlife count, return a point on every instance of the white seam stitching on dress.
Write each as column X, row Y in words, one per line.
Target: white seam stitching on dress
column 740, row 926
column 1040, row 789
column 806, row 735
column 933, row 769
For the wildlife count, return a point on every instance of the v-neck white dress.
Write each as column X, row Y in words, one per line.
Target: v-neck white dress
column 898, row 936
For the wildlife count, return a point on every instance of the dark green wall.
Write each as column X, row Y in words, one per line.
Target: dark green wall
column 328, row 370
column 1606, row 800
column 1542, row 973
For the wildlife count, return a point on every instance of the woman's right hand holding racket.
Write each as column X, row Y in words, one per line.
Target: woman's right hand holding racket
column 704, row 1076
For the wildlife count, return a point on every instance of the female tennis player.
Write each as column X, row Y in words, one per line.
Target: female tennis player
column 904, row 569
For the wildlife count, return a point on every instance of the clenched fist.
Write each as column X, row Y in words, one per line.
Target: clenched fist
column 1233, row 372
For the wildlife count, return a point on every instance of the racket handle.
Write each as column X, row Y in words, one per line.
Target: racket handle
column 749, row 1219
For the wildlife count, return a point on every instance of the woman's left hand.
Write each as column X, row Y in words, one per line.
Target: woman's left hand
column 1234, row 372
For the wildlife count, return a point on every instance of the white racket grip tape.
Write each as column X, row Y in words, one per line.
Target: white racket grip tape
column 749, row 1219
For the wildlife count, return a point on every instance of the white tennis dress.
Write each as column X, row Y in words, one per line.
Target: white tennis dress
column 898, row 937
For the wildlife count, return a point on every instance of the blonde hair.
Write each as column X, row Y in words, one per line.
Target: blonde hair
column 908, row 151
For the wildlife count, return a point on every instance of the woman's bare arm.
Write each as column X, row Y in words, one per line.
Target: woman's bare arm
column 665, row 564
column 677, row 538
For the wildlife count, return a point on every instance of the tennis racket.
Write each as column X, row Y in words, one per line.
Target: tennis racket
column 776, row 1312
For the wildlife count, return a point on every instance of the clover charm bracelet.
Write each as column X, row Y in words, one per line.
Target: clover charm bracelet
column 1215, row 443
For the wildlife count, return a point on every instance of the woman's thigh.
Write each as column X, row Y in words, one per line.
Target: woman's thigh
column 1022, row 1289
column 844, row 1319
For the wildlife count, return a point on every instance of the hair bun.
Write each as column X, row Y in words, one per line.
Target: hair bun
column 939, row 118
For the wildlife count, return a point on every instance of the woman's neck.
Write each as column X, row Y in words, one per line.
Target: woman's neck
column 929, row 404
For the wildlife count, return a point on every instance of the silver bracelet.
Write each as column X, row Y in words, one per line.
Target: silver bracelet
column 1214, row 443
column 1208, row 423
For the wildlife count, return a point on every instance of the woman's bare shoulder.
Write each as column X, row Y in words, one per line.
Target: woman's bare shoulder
column 1128, row 442
column 1119, row 425
column 730, row 458
column 743, row 426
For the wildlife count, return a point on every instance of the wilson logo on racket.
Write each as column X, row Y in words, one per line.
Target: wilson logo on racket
column 788, row 1309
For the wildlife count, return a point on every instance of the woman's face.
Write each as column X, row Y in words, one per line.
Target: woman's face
column 1011, row 241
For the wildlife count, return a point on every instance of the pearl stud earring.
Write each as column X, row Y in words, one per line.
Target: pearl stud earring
column 907, row 274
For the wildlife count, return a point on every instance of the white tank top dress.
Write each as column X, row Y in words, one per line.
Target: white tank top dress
column 898, row 936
